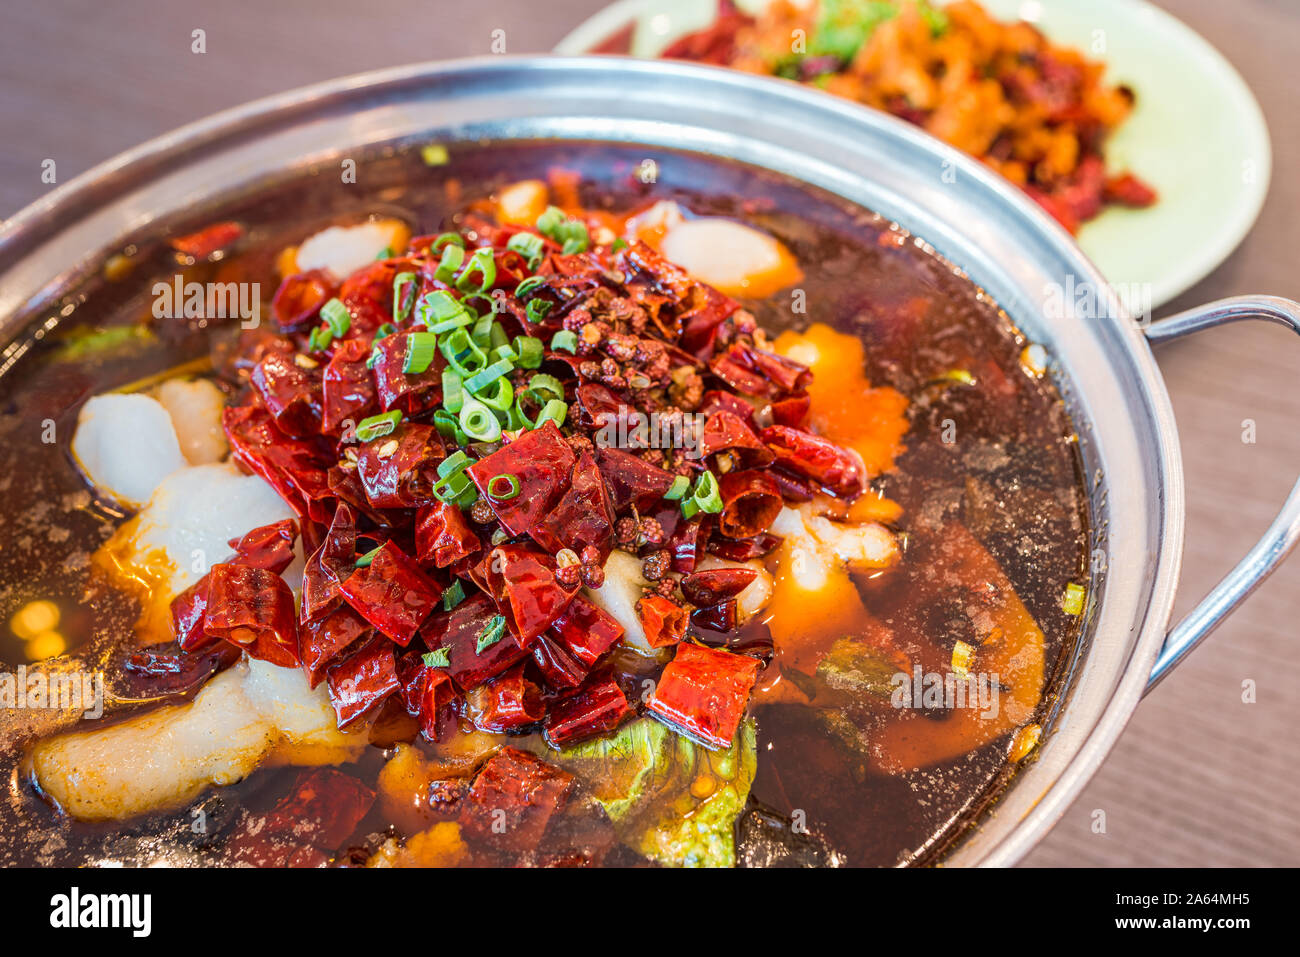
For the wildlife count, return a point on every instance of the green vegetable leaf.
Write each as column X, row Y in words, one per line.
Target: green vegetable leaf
column 643, row 775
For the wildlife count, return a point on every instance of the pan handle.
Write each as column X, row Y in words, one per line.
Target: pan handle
column 1276, row 543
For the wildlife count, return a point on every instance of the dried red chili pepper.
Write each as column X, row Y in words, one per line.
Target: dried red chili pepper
column 663, row 620
column 347, row 387
column 392, row 593
column 716, row 584
column 187, row 612
column 458, row 631
column 269, row 547
column 522, row 580
column 322, row 640
column 295, row 468
column 835, row 469
column 751, row 501
column 368, row 294
column 362, row 680
column 724, row 431
column 584, row 516
column 560, row 668
column 329, row 565
column 745, row 549
column 586, row 631
column 297, row 302
column 506, row 703
column 687, row 542
column 703, row 693
column 253, row 608
column 597, row 709
column 411, row 392
column 541, row 463
column 443, row 536
column 206, row 241
column 632, row 480
column 513, row 800
column 399, row 470
column 720, row 617
column 290, row 394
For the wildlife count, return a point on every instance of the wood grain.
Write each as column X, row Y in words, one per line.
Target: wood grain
column 1198, row 777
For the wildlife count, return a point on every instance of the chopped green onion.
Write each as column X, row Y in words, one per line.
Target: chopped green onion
column 499, row 396
column 675, row 491
column 439, row 657
column 619, row 245
column 492, row 633
column 565, row 341
column 528, row 246
column 550, row 220
column 478, row 421
column 420, row 349
column 365, row 560
column 319, row 339
column 336, row 317
column 385, row 253
column 481, row 380
column 497, row 337
column 452, row 257
column 537, row 309
column 482, row 331
column 462, row 353
column 528, row 351
column 443, row 239
column 571, row 234
column 544, row 386
column 453, row 596
column 384, row 331
column 452, row 487
column 454, row 464
column 528, row 285
column 404, row 289
column 555, row 410
column 1075, row 596
column 448, row 427
column 453, row 390
column 434, row 154
column 706, row 494
column 484, row 265
column 503, row 486
column 377, row 426
column 689, row 508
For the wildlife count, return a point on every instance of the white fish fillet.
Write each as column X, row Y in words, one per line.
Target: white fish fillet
column 342, row 250
column 253, row 715
column 126, row 445
column 195, row 409
column 196, row 511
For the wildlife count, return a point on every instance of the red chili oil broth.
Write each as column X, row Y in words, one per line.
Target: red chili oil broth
column 1011, row 474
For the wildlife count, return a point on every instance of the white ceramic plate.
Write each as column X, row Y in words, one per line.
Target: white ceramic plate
column 1197, row 134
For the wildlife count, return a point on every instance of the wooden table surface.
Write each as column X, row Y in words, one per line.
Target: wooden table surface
column 1199, row 777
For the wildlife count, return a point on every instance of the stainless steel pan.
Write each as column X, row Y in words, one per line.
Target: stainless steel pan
column 1101, row 358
